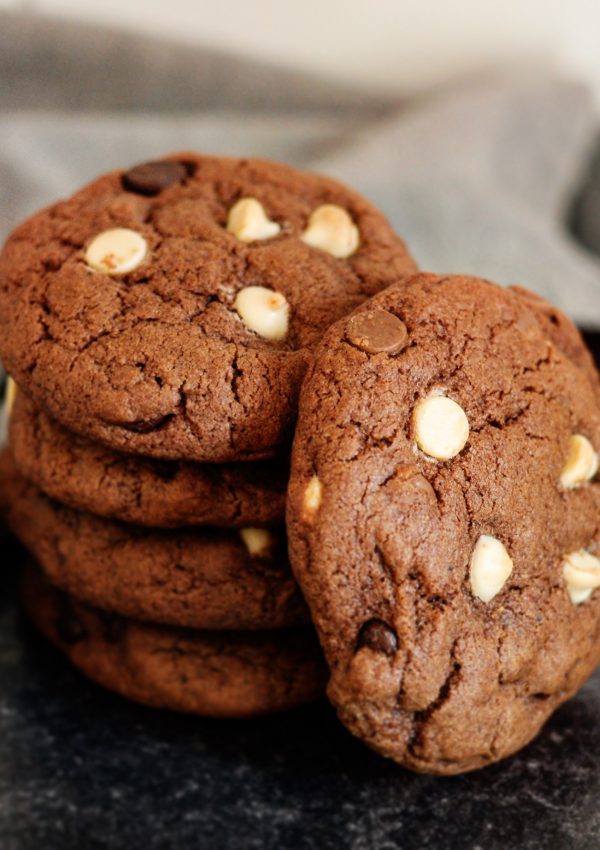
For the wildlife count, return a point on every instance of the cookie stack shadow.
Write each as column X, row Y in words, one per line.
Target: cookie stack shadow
column 167, row 582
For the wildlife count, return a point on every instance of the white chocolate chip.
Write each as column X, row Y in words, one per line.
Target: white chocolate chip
column 249, row 222
column 491, row 565
column 581, row 572
column 581, row 569
column 116, row 251
column 581, row 464
column 578, row 596
column 441, row 427
column 311, row 501
column 331, row 229
column 258, row 541
column 10, row 394
column 264, row 311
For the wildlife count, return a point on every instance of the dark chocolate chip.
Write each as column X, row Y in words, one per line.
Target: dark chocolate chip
column 376, row 331
column 190, row 167
column 378, row 636
column 145, row 426
column 150, row 178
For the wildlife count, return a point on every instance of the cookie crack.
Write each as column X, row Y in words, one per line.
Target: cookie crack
column 422, row 717
column 238, row 374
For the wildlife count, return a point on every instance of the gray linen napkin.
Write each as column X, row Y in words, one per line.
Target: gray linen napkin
column 478, row 177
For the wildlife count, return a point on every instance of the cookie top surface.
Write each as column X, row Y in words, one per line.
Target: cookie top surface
column 91, row 477
column 560, row 330
column 227, row 674
column 201, row 578
column 443, row 520
column 170, row 311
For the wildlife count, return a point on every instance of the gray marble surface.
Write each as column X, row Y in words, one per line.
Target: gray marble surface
column 81, row 769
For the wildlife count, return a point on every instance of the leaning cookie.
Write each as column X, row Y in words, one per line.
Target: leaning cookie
column 228, row 674
column 160, row 494
column 561, row 331
column 443, row 521
column 202, row 578
column 170, row 310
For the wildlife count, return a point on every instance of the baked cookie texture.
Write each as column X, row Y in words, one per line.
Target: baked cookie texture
column 200, row 578
column 227, row 674
column 443, row 519
column 560, row 330
column 162, row 494
column 170, row 310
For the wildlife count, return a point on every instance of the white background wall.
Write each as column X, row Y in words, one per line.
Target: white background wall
column 386, row 44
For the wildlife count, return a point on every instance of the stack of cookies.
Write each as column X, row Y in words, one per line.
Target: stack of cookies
column 443, row 500
column 158, row 326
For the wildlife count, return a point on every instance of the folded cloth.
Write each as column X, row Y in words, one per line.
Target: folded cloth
column 481, row 180
column 478, row 178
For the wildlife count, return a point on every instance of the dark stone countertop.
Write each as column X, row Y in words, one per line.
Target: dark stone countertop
column 81, row 769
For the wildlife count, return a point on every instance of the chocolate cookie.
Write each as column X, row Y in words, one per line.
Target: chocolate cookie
column 157, row 493
column 226, row 674
column 203, row 579
column 560, row 330
column 170, row 310
column 443, row 521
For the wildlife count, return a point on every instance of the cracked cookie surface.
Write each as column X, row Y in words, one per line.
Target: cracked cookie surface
column 121, row 309
column 227, row 674
column 431, row 551
column 161, row 494
column 200, row 578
